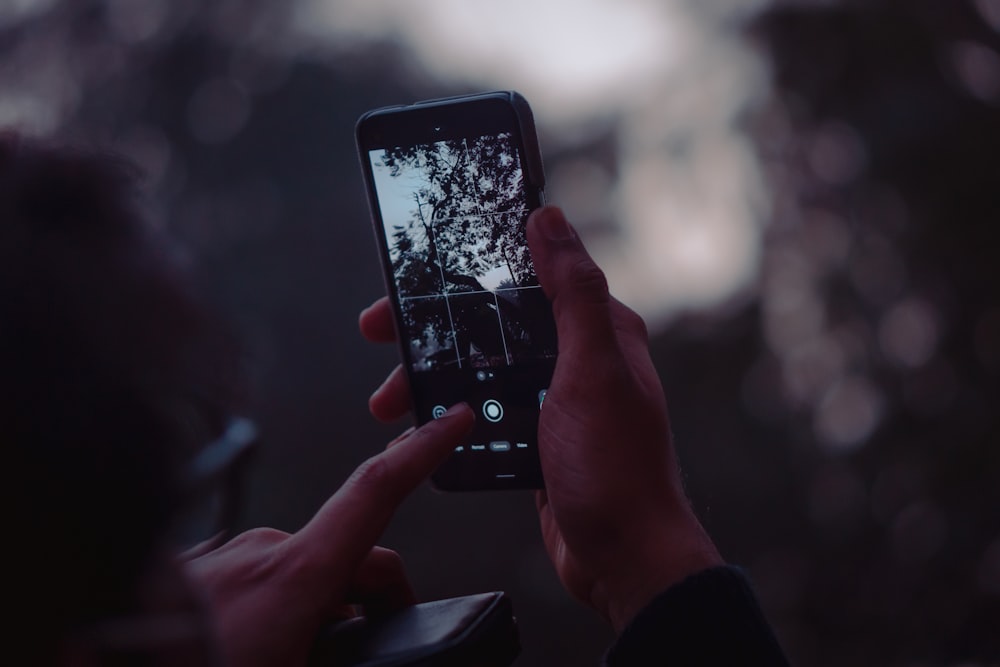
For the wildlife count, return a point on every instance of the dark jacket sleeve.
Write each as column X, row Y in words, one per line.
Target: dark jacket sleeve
column 711, row 618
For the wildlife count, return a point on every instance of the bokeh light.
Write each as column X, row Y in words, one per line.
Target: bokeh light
column 687, row 205
column 799, row 197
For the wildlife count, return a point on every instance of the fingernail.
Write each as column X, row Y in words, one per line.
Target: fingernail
column 554, row 225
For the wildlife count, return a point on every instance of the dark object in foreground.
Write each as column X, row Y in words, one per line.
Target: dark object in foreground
column 475, row 630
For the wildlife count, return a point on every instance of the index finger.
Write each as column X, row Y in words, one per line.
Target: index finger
column 376, row 322
column 344, row 530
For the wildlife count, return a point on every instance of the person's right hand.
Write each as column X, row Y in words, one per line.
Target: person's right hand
column 271, row 592
column 614, row 516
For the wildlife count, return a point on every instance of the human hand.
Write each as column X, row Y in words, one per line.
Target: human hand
column 271, row 592
column 614, row 517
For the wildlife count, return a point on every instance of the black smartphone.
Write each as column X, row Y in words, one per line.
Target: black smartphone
column 451, row 183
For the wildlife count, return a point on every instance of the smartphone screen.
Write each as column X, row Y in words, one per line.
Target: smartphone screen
column 452, row 183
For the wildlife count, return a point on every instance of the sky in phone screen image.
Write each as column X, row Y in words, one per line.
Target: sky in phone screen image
column 454, row 214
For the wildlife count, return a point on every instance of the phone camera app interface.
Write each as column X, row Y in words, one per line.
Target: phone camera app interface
column 454, row 214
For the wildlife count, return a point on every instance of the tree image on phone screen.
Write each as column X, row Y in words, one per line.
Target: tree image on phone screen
column 454, row 216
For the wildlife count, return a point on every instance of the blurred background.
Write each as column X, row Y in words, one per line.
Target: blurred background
column 800, row 197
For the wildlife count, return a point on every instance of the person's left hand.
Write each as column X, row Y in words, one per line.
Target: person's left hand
column 270, row 592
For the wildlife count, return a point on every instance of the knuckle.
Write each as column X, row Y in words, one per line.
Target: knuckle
column 261, row 537
column 386, row 561
column 589, row 281
column 634, row 322
column 372, row 473
column 252, row 558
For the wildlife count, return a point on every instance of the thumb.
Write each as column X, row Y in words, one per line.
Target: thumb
column 574, row 284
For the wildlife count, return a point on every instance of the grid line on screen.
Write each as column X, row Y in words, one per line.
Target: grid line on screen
column 470, row 264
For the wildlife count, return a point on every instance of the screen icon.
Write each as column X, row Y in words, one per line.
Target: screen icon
column 541, row 397
column 499, row 446
column 492, row 410
column 438, row 411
